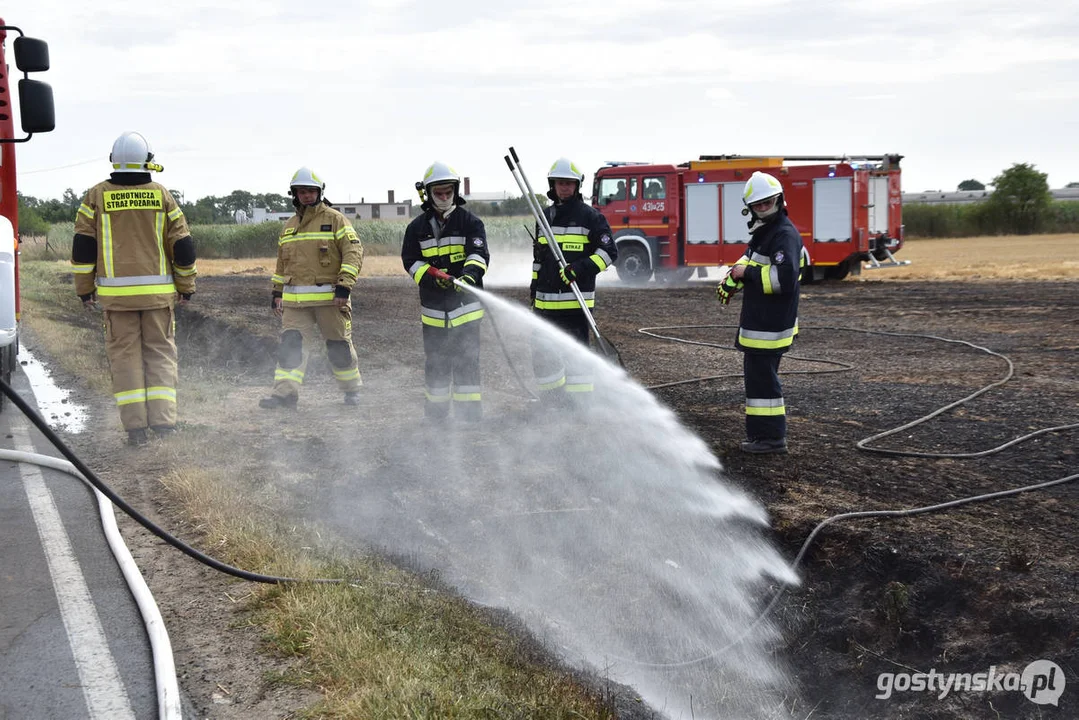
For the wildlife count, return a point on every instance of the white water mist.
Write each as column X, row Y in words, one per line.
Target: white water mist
column 610, row 532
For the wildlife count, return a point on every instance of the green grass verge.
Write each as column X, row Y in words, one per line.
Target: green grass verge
column 388, row 643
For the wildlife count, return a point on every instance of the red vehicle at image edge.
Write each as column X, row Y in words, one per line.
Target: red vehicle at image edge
column 37, row 116
column 669, row 220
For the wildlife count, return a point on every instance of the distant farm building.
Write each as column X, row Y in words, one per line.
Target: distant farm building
column 961, row 197
column 389, row 210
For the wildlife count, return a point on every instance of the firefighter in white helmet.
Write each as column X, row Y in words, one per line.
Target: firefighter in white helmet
column 447, row 242
column 133, row 256
column 769, row 273
column 584, row 237
column 319, row 256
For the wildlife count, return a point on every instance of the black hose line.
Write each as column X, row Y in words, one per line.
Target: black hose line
column 135, row 514
column 861, row 445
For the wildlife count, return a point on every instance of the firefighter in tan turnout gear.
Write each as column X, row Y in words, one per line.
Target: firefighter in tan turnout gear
column 319, row 256
column 133, row 256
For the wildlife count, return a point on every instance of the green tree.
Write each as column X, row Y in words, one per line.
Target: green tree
column 237, row 200
column 1072, row 185
column 72, row 201
column 30, row 220
column 273, row 202
column 1020, row 200
column 971, row 185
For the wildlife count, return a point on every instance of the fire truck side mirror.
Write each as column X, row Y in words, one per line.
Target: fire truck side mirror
column 36, row 107
column 31, row 54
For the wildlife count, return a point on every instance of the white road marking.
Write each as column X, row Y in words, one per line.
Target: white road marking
column 106, row 697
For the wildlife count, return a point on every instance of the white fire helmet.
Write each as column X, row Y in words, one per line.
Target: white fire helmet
column 564, row 169
column 131, row 153
column 762, row 186
column 440, row 173
column 306, row 177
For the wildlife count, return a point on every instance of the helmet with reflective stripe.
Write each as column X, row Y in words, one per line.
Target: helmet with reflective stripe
column 306, row 177
column 131, row 153
column 564, row 169
column 440, row 173
column 761, row 186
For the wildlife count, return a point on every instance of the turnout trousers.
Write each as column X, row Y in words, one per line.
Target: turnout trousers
column 298, row 338
column 766, row 412
column 451, row 371
column 558, row 377
column 141, row 348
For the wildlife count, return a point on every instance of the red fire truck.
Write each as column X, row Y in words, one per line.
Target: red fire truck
column 37, row 115
column 669, row 220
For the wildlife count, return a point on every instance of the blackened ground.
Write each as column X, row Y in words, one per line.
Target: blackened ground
column 989, row 584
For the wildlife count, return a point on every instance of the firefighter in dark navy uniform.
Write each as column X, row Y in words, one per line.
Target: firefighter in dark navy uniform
column 319, row 256
column 769, row 274
column 446, row 243
column 584, row 237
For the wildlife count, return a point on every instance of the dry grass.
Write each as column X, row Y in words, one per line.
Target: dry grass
column 373, row 266
column 383, row 644
column 1033, row 257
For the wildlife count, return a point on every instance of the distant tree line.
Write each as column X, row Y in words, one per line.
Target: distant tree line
column 1020, row 204
column 35, row 216
column 510, row 207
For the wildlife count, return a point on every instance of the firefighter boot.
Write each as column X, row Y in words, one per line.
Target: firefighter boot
column 765, row 446
column 276, row 401
column 136, row 437
column 163, row 431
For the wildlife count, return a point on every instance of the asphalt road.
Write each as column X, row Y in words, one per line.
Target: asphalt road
column 72, row 642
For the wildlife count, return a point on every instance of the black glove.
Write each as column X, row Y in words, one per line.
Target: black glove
column 468, row 279
column 574, row 271
column 273, row 299
column 340, row 291
column 726, row 290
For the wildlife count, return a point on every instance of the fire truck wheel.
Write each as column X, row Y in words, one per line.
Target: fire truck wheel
column 633, row 266
column 676, row 276
column 838, row 272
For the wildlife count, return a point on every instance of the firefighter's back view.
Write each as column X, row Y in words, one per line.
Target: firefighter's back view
column 132, row 250
column 319, row 256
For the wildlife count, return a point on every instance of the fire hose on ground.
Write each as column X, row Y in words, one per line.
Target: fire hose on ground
column 77, row 465
column 862, row 445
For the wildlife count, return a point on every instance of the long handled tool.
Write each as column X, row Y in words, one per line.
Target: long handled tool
column 609, row 351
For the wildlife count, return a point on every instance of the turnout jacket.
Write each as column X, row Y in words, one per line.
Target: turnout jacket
column 132, row 245
column 584, row 236
column 773, row 261
column 319, row 256
column 458, row 247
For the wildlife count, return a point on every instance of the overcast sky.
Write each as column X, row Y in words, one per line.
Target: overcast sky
column 238, row 94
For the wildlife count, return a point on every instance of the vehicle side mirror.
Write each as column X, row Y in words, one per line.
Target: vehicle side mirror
column 36, row 107
column 31, row 54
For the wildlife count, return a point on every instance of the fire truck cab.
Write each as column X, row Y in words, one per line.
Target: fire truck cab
column 37, row 115
column 670, row 220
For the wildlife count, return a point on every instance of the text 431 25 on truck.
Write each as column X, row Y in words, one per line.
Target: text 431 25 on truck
column 669, row 220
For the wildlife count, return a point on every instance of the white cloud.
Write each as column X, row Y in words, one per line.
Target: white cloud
column 238, row 96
